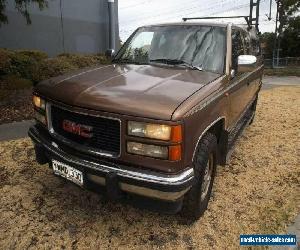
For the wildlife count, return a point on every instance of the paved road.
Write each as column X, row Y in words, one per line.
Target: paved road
column 14, row 130
column 293, row 229
column 274, row 81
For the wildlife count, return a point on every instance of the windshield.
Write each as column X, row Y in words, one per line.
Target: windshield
column 202, row 47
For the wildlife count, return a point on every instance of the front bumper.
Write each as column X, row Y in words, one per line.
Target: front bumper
column 131, row 180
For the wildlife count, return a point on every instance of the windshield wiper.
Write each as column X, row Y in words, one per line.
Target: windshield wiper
column 176, row 62
column 129, row 61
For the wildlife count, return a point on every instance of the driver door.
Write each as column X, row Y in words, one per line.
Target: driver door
column 238, row 93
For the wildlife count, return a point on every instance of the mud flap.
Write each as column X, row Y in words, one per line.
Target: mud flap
column 112, row 186
column 40, row 154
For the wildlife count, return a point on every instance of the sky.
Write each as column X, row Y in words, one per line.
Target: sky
column 135, row 13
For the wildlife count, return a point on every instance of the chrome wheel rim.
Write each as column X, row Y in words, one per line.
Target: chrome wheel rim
column 207, row 177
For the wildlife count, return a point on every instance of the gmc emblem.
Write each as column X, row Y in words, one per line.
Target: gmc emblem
column 77, row 129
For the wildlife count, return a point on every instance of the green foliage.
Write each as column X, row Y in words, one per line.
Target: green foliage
column 286, row 9
column 3, row 17
column 290, row 42
column 34, row 54
column 82, row 61
column 288, row 30
column 289, row 7
column 22, row 65
column 22, row 7
column 267, row 41
column 35, row 66
column 19, row 64
column 52, row 67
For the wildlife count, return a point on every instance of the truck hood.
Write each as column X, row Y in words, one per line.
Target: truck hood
column 139, row 90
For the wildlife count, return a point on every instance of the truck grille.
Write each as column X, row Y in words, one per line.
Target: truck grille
column 105, row 132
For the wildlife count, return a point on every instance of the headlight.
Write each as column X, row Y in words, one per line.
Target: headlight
column 38, row 102
column 155, row 131
column 40, row 109
column 148, row 150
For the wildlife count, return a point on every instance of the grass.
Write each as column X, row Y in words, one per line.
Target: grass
column 289, row 71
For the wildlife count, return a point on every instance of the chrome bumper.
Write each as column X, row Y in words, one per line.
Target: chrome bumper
column 146, row 183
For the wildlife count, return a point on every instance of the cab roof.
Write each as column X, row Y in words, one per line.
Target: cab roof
column 200, row 23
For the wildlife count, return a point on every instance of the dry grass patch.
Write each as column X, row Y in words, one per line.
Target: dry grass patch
column 258, row 192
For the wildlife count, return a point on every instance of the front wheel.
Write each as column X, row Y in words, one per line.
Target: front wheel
column 196, row 200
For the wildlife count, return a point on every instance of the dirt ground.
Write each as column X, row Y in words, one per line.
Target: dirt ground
column 16, row 106
column 258, row 192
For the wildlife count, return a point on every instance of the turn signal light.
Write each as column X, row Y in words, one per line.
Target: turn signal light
column 176, row 134
column 175, row 153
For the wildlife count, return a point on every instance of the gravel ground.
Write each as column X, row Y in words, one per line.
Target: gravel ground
column 17, row 106
column 258, row 192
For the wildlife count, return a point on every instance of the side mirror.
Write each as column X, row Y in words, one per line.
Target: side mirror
column 246, row 63
column 232, row 73
column 110, row 53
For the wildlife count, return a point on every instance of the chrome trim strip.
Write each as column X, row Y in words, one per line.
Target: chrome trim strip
column 153, row 193
column 228, row 49
column 205, row 130
column 144, row 191
column 147, row 176
column 72, row 144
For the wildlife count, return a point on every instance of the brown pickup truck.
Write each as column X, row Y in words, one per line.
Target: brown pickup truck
column 159, row 119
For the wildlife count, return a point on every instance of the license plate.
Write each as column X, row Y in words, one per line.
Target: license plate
column 67, row 172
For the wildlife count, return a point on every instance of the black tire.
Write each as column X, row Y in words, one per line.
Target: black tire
column 195, row 201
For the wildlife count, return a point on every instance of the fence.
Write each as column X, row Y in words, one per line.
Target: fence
column 283, row 62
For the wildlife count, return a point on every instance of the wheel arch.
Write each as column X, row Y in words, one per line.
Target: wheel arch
column 216, row 127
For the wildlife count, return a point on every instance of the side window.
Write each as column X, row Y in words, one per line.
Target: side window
column 246, row 39
column 237, row 48
column 255, row 47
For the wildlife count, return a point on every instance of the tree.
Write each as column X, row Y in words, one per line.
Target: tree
column 290, row 41
column 286, row 9
column 22, row 7
column 267, row 42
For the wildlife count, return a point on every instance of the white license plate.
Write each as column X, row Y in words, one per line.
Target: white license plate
column 67, row 172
